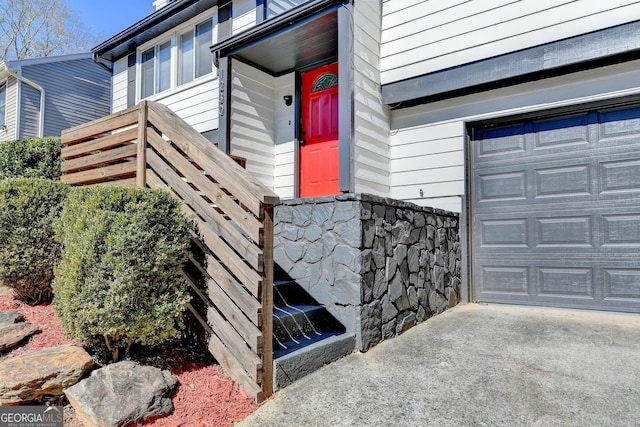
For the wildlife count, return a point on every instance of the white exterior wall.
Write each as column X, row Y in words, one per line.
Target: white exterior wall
column 284, row 137
column 11, row 111
column 427, row 142
column 371, row 118
column 252, row 120
column 244, row 15
column 119, row 85
column 420, row 37
column 195, row 102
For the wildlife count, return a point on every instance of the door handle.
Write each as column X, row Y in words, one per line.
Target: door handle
column 302, row 142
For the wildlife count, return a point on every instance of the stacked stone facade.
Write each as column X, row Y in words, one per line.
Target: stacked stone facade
column 379, row 265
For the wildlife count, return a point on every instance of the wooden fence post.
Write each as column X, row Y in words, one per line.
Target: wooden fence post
column 141, row 171
column 267, row 304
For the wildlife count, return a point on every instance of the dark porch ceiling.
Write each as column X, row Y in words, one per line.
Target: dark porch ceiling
column 296, row 47
column 298, row 38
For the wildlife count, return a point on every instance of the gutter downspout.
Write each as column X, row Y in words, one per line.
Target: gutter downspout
column 39, row 89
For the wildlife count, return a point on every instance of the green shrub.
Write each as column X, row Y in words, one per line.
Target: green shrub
column 119, row 278
column 28, row 250
column 30, row 158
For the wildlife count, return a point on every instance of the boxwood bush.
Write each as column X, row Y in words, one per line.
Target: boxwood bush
column 30, row 158
column 28, row 249
column 119, row 278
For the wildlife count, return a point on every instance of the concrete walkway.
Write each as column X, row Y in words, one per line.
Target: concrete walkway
column 478, row 365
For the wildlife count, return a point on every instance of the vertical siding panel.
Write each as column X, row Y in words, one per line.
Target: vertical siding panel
column 252, row 120
column 371, row 118
column 76, row 91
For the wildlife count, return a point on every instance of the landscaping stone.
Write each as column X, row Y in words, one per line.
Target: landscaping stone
column 10, row 317
column 12, row 334
column 121, row 394
column 23, row 379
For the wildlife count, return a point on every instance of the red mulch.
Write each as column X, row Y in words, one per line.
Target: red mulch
column 205, row 395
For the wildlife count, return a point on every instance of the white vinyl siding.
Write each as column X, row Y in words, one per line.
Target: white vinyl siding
column 3, row 105
column 197, row 104
column 252, row 120
column 427, row 142
column 244, row 15
column 11, row 111
column 284, row 138
column 420, row 37
column 371, row 118
column 119, row 85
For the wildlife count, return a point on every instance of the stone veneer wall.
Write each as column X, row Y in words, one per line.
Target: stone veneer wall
column 379, row 265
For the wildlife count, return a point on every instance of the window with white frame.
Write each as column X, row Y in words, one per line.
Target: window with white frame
column 179, row 60
column 3, row 104
column 195, row 58
column 155, row 69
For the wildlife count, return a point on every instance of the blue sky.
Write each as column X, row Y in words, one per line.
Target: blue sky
column 108, row 18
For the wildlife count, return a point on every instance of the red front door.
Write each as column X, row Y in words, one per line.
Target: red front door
column 319, row 134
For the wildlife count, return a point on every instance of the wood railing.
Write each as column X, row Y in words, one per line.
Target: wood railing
column 231, row 273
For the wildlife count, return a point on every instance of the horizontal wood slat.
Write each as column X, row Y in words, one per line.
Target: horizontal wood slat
column 109, row 123
column 101, row 143
column 104, row 157
column 93, row 175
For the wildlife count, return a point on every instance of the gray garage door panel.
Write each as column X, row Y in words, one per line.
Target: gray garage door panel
column 556, row 211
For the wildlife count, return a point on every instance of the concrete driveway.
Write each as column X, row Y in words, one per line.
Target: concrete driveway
column 478, row 365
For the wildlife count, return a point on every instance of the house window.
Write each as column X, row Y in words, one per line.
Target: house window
column 195, row 57
column 3, row 104
column 156, row 69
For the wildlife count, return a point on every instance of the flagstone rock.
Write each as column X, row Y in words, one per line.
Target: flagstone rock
column 10, row 317
column 25, row 378
column 122, row 394
column 12, row 334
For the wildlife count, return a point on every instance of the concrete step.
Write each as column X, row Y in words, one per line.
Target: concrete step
column 294, row 323
column 310, row 357
column 288, row 292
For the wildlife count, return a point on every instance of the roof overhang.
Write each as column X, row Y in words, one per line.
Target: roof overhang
column 154, row 25
column 299, row 38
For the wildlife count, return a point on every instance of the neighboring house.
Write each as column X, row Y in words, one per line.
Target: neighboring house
column 524, row 116
column 42, row 96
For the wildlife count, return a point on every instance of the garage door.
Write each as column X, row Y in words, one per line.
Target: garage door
column 555, row 211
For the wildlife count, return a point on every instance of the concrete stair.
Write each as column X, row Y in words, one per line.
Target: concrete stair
column 305, row 335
